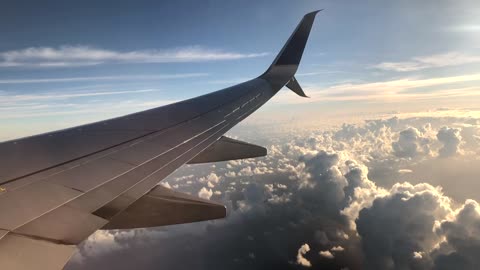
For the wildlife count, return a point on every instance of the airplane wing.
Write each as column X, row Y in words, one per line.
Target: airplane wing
column 58, row 188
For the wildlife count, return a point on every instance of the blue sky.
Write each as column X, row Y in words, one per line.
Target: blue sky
column 63, row 64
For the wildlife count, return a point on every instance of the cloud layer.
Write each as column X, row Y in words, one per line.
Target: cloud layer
column 324, row 200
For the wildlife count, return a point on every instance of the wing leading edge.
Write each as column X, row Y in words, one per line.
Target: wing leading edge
column 58, row 188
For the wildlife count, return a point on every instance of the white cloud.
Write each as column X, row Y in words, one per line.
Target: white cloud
column 103, row 78
column 9, row 99
column 406, row 218
column 247, row 171
column 464, row 28
column 205, row 193
column 394, row 90
column 71, row 56
column 301, row 260
column 326, row 254
column 417, row 255
column 230, row 174
column 211, row 178
column 432, row 61
column 411, row 142
column 262, row 170
column 462, row 235
column 337, row 249
column 269, row 188
column 165, row 184
column 277, row 199
column 451, row 139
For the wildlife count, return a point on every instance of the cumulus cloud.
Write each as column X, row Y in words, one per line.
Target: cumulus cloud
column 451, row 139
column 166, row 184
column 211, row 178
column 280, row 198
column 326, row 254
column 397, row 225
column 301, row 260
column 337, row 249
column 205, row 193
column 329, row 189
column 462, row 239
column 411, row 143
column 417, row 255
column 230, row 174
column 247, row 171
column 71, row 56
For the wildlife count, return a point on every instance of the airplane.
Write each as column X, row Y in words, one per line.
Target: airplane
column 58, row 188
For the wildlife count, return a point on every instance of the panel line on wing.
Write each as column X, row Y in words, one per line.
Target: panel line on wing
column 106, row 182
column 122, row 143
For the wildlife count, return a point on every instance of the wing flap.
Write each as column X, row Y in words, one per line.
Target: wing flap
column 228, row 149
column 163, row 206
column 19, row 252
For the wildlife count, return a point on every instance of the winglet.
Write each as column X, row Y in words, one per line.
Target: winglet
column 286, row 63
column 295, row 87
column 292, row 51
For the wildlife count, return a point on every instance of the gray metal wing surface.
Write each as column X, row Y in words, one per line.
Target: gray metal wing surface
column 58, row 188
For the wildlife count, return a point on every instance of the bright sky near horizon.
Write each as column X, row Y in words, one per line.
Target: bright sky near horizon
column 67, row 63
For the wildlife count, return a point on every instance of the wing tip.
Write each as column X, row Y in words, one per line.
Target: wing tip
column 291, row 53
column 313, row 13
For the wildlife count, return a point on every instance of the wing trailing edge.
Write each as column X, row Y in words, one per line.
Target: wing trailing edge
column 163, row 206
column 228, row 149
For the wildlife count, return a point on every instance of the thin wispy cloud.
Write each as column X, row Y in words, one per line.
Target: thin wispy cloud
column 104, row 78
column 13, row 99
column 403, row 84
column 229, row 81
column 97, row 111
column 315, row 73
column 72, row 56
column 432, row 61
column 392, row 90
column 464, row 28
